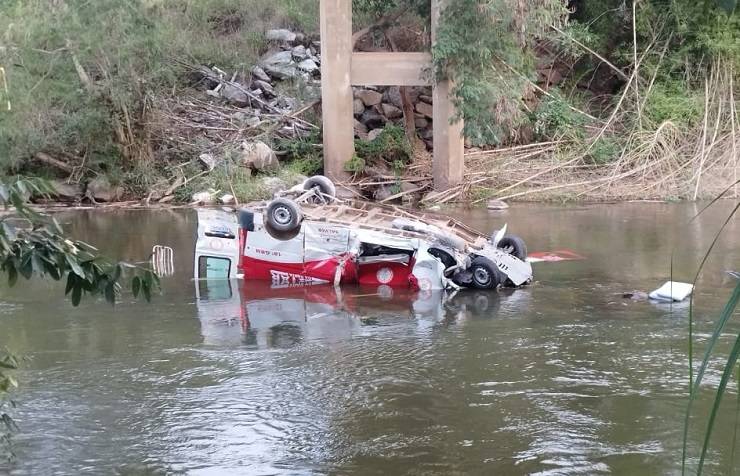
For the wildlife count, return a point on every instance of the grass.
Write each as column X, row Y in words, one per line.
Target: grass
column 129, row 57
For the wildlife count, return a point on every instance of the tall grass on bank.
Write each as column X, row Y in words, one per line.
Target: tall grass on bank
column 83, row 76
column 730, row 364
column 654, row 145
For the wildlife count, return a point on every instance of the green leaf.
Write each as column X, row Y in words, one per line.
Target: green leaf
column 110, row 293
column 12, row 275
column 147, row 290
column 726, row 374
column 76, row 268
column 723, row 318
column 71, row 281
column 136, row 286
column 26, row 268
column 77, row 294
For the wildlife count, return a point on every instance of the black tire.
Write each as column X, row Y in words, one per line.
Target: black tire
column 514, row 245
column 485, row 274
column 324, row 184
column 447, row 257
column 283, row 215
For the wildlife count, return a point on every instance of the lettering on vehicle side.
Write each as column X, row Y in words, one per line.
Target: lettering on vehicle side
column 281, row 278
column 263, row 252
column 328, row 231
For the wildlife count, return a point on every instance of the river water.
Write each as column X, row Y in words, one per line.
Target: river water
column 562, row 377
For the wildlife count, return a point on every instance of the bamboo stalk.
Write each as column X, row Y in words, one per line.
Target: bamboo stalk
column 703, row 138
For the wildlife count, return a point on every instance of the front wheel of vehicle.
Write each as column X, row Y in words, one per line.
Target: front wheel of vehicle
column 485, row 274
column 283, row 215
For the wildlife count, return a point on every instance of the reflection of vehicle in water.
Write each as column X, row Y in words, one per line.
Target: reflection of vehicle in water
column 257, row 313
column 314, row 240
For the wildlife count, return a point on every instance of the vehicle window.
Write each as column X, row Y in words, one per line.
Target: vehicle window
column 211, row 267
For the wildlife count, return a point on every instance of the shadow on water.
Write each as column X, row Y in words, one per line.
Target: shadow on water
column 562, row 377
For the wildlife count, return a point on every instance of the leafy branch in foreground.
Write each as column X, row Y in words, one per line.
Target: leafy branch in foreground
column 33, row 244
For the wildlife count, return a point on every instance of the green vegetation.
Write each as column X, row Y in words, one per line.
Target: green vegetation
column 99, row 98
column 32, row 244
column 86, row 79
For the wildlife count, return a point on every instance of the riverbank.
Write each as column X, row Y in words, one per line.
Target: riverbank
column 142, row 112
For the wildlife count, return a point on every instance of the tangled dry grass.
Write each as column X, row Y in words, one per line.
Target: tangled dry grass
column 657, row 162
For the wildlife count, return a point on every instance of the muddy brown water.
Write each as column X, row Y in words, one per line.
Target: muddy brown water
column 562, row 377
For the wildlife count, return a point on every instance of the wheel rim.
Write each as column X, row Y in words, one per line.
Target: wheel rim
column 282, row 215
column 482, row 276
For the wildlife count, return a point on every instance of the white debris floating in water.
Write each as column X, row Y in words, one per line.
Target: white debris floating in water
column 672, row 291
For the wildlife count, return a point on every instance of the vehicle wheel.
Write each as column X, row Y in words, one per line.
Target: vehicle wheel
column 513, row 245
column 485, row 274
column 445, row 256
column 325, row 186
column 283, row 215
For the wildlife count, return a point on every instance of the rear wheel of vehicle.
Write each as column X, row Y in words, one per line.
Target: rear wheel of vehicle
column 513, row 245
column 283, row 215
column 485, row 274
column 324, row 184
column 445, row 256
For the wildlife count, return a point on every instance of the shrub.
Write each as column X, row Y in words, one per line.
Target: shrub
column 554, row 118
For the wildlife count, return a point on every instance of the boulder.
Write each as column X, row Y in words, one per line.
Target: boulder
column 348, row 192
column 408, row 186
column 249, row 119
column 206, row 159
column 227, row 199
column 234, row 95
column 373, row 134
column 266, row 87
column 308, row 65
column 373, row 120
column 279, row 64
column 383, row 192
column 280, row 35
column 260, row 74
column 426, row 109
column 204, row 198
column 390, row 111
column 427, row 134
column 274, row 184
column 300, row 53
column 495, row 204
column 358, row 107
column 368, row 97
column 360, row 130
column 101, row 190
column 66, row 191
column 258, row 156
column 392, row 95
column 425, row 98
column 421, row 122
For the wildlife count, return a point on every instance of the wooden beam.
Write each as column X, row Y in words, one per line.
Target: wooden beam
column 448, row 166
column 391, row 69
column 336, row 87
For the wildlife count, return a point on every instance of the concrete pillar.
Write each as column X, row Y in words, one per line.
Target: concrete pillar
column 449, row 144
column 336, row 87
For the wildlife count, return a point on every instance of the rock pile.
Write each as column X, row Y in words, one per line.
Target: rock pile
column 376, row 107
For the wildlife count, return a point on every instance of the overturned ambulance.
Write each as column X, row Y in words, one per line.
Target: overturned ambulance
column 307, row 236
